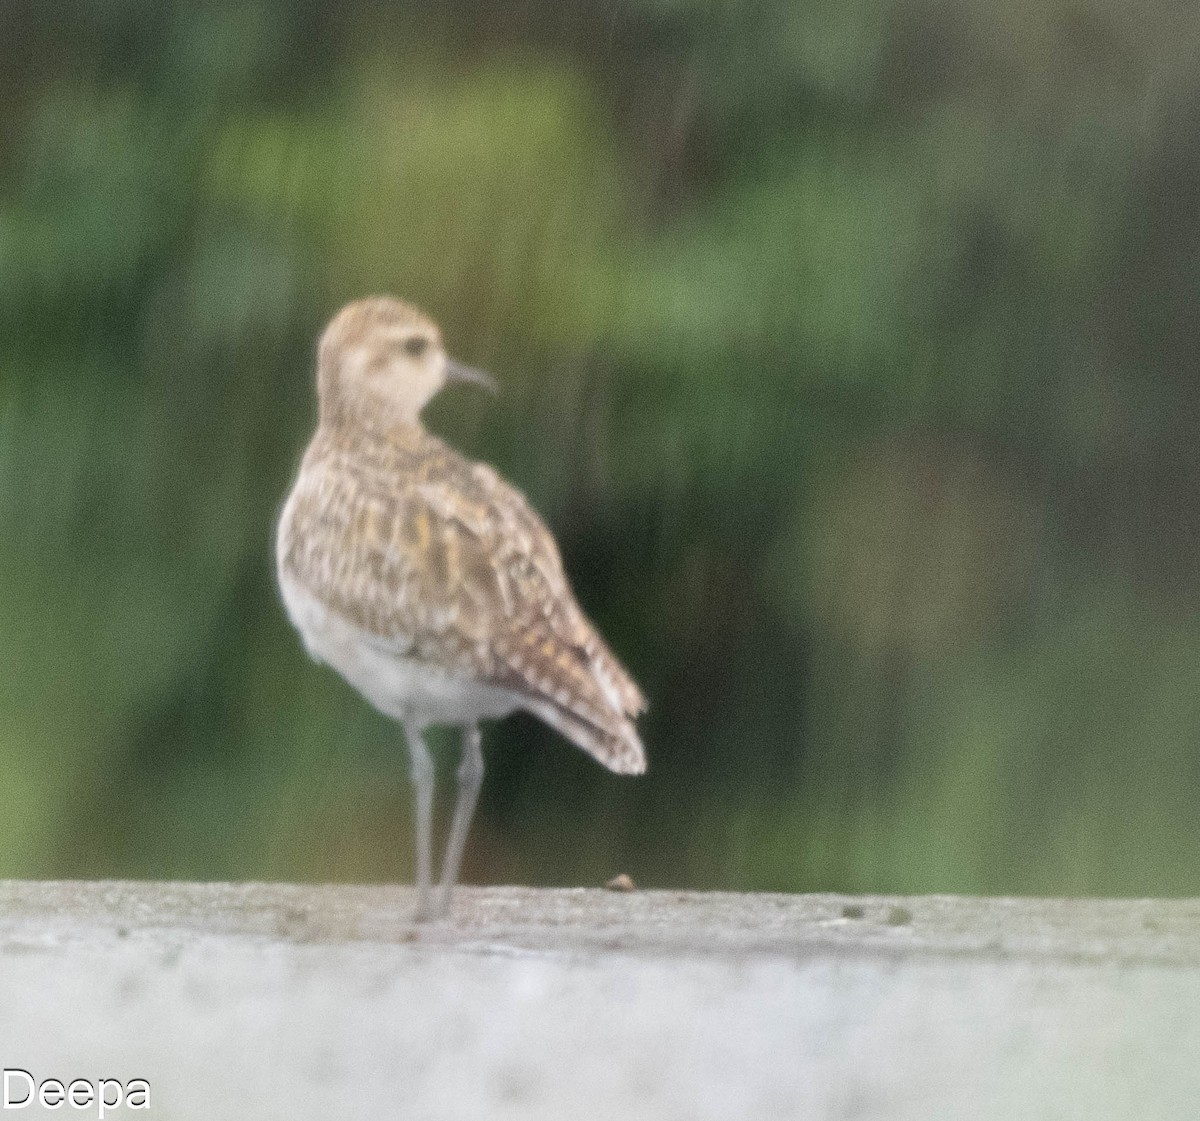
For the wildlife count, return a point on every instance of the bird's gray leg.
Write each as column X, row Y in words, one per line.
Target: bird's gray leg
column 470, row 779
column 422, row 778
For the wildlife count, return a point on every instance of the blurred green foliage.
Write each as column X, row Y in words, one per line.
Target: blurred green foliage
column 848, row 347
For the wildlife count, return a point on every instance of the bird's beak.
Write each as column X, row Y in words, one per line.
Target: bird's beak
column 456, row 371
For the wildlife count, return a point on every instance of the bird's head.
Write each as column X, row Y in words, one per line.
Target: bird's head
column 382, row 360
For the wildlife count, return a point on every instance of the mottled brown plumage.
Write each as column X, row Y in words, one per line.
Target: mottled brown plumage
column 424, row 578
column 440, row 560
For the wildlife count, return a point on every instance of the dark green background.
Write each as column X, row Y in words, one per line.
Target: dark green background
column 850, row 348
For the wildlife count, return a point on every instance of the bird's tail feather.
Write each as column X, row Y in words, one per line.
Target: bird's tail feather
column 616, row 745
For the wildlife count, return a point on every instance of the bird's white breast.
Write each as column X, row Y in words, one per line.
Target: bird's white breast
column 399, row 686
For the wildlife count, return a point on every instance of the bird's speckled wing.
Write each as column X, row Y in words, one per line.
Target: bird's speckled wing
column 443, row 561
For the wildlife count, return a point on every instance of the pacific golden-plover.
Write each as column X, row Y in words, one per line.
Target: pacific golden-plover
column 427, row 581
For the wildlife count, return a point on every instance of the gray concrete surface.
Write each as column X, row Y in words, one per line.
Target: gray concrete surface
column 265, row 1002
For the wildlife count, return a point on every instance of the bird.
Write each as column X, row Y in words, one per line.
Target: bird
column 428, row 582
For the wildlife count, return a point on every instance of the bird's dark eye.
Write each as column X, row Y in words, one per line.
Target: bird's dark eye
column 415, row 346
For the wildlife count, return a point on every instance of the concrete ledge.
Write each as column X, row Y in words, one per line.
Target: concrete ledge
column 273, row 1001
